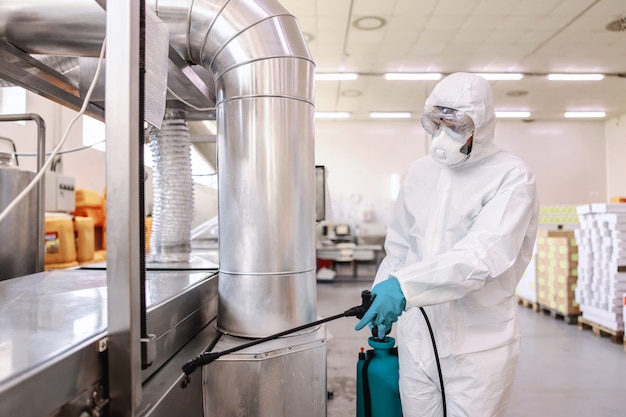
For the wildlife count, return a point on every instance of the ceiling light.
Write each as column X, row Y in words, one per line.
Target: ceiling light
column 575, row 77
column 369, row 22
column 408, row 76
column 332, row 115
column 505, row 76
column 513, row 114
column 390, row 115
column 583, row 114
column 339, row 76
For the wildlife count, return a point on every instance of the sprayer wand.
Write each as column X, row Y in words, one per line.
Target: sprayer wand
column 208, row 357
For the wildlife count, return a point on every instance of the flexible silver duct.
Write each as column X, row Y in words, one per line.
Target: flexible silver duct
column 173, row 190
column 264, row 79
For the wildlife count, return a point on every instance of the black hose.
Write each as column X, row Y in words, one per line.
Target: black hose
column 432, row 337
column 208, row 357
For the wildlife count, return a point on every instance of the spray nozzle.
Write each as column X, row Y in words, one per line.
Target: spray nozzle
column 359, row 311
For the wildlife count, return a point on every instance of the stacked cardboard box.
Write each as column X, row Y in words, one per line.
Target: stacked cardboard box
column 558, row 215
column 557, row 271
column 602, row 263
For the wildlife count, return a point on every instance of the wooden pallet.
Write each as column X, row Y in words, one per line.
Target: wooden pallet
column 527, row 303
column 617, row 336
column 567, row 318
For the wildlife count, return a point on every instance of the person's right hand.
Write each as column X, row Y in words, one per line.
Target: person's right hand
column 387, row 306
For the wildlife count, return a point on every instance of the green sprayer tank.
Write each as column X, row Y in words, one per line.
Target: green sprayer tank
column 378, row 393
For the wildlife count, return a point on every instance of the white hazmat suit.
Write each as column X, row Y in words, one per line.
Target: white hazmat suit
column 459, row 241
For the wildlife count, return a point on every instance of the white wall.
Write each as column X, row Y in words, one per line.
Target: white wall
column 364, row 162
column 87, row 166
column 616, row 156
column 568, row 158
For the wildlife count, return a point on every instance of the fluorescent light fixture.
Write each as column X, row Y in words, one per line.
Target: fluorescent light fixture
column 414, row 76
column 513, row 114
column 504, row 76
column 575, row 77
column 332, row 115
column 339, row 76
column 584, row 114
column 390, row 115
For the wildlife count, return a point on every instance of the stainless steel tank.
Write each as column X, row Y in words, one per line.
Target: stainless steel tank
column 18, row 231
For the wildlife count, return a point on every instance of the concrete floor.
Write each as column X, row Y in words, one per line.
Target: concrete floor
column 562, row 372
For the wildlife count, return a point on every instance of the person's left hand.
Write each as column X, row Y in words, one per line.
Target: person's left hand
column 387, row 306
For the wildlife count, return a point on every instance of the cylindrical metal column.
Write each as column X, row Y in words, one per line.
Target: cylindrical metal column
column 266, row 169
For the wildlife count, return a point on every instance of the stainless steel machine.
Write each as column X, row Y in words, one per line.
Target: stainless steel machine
column 72, row 343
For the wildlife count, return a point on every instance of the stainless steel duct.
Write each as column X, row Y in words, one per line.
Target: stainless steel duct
column 264, row 91
column 65, row 27
column 264, row 79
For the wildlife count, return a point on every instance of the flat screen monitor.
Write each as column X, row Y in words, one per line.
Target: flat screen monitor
column 320, row 193
column 342, row 230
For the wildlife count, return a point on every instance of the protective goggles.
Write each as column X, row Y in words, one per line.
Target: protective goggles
column 458, row 125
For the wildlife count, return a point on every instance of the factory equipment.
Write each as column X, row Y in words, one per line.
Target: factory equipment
column 60, row 193
column 22, row 252
column 18, row 257
column 248, row 61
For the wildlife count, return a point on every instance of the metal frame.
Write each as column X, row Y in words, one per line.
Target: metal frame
column 21, row 69
column 122, row 178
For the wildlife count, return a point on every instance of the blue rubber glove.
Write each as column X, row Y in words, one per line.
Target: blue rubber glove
column 388, row 305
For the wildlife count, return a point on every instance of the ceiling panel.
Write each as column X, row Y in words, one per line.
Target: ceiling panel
column 534, row 7
column 530, row 36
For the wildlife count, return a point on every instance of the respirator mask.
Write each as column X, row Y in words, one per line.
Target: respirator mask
column 450, row 129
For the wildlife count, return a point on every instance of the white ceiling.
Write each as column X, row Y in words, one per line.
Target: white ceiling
column 534, row 37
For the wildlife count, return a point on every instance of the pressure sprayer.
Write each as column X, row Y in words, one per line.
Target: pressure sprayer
column 377, row 374
column 378, row 391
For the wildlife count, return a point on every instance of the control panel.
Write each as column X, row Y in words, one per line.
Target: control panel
column 60, row 193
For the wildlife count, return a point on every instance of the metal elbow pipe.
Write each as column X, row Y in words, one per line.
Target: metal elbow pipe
column 66, row 28
column 264, row 80
column 264, row 76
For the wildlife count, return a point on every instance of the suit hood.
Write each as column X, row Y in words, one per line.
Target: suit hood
column 471, row 94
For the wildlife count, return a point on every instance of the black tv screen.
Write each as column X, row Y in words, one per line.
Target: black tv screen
column 320, row 193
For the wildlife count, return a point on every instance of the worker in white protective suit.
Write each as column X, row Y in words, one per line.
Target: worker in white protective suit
column 461, row 236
